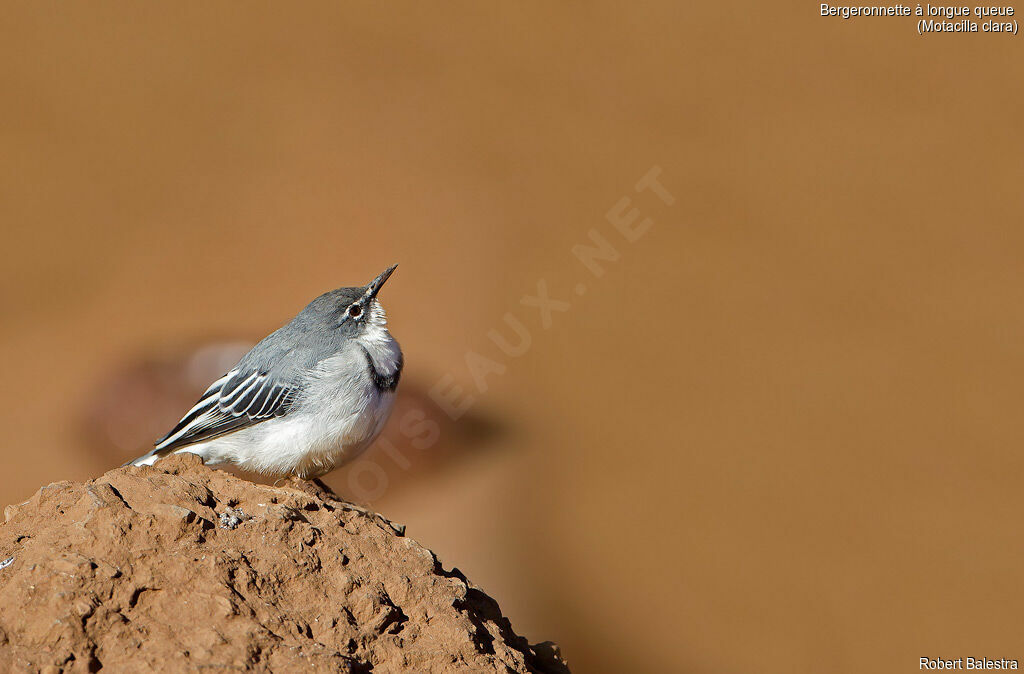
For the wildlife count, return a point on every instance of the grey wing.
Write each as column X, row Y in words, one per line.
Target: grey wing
column 239, row 399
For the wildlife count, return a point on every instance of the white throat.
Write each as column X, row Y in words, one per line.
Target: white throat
column 378, row 342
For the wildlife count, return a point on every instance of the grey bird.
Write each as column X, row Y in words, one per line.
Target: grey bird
column 309, row 397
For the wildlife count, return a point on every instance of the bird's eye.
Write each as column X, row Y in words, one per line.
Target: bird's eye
column 355, row 311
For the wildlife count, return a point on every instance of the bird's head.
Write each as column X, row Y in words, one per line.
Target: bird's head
column 355, row 312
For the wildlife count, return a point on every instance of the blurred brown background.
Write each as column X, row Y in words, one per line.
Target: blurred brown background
column 780, row 434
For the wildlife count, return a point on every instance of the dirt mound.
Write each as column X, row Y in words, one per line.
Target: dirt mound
column 180, row 568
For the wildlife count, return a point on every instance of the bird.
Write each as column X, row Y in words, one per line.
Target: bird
column 307, row 398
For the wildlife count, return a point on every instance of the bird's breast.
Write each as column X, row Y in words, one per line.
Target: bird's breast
column 342, row 412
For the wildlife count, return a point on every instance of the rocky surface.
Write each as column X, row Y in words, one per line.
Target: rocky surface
column 182, row 568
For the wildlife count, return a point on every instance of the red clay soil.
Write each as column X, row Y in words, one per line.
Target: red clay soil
column 182, row 568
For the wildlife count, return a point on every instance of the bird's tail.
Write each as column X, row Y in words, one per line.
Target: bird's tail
column 147, row 459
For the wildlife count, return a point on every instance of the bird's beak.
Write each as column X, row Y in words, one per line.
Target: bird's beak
column 374, row 286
